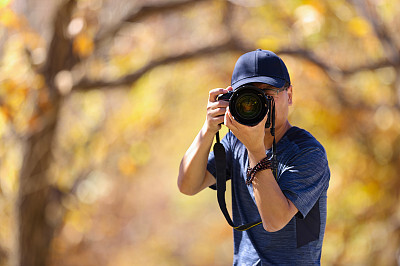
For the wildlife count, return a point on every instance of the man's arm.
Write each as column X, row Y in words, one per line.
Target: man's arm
column 275, row 209
column 193, row 175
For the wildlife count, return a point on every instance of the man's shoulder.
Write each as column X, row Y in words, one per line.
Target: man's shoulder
column 303, row 139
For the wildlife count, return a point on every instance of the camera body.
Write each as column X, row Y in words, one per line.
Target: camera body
column 249, row 105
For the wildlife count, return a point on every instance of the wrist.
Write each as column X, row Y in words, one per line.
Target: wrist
column 255, row 156
column 207, row 132
column 262, row 165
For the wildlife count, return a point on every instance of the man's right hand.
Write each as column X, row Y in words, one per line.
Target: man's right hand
column 216, row 109
column 193, row 175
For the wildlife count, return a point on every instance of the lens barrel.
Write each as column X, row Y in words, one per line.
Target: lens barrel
column 249, row 105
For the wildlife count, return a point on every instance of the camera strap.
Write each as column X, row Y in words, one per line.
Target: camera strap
column 220, row 163
column 272, row 130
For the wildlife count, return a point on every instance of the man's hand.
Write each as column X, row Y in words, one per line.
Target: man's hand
column 216, row 109
column 251, row 137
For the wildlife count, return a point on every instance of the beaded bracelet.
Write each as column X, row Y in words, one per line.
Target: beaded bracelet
column 264, row 164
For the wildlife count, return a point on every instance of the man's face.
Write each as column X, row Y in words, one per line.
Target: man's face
column 282, row 98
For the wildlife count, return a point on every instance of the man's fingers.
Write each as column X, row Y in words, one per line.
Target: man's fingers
column 212, row 96
column 219, row 119
column 217, row 112
column 218, row 104
column 229, row 121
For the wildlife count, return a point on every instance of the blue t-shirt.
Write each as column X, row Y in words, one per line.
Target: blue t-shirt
column 303, row 176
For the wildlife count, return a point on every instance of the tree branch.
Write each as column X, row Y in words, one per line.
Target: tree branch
column 141, row 13
column 226, row 46
column 311, row 57
column 333, row 73
column 368, row 11
column 372, row 66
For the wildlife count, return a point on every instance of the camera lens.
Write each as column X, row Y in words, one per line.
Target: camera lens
column 248, row 106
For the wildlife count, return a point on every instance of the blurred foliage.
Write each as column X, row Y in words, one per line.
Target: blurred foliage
column 119, row 142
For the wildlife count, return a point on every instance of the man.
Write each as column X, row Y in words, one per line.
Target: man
column 292, row 207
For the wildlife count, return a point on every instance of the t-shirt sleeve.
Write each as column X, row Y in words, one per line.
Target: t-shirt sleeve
column 305, row 179
column 226, row 142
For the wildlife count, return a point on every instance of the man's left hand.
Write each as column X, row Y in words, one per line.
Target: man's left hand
column 251, row 137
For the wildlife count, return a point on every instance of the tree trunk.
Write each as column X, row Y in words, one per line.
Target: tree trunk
column 38, row 208
column 36, row 222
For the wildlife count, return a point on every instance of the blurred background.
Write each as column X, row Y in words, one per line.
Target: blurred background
column 99, row 100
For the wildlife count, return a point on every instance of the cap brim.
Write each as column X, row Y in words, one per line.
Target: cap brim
column 276, row 82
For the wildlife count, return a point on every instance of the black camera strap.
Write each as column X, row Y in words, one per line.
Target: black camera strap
column 272, row 130
column 220, row 163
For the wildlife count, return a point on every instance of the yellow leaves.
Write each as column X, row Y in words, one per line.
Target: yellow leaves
column 13, row 96
column 9, row 19
column 83, row 45
column 80, row 221
column 38, row 82
column 9, row 171
column 18, row 107
column 92, row 106
column 359, row 27
column 123, row 64
column 269, row 43
column 20, row 86
column 4, row 3
column 22, row 37
column 110, row 131
column 7, row 86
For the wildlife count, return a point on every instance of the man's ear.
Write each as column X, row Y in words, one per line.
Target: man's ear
column 290, row 95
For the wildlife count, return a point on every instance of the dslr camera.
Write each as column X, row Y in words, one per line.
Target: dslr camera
column 249, row 105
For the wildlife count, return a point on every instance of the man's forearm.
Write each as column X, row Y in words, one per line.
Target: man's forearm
column 192, row 171
column 274, row 208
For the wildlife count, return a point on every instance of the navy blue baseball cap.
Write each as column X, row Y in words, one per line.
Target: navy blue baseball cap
column 260, row 66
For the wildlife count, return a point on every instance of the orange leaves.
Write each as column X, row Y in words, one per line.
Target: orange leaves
column 23, row 102
column 12, row 97
column 83, row 45
column 127, row 165
column 6, row 112
column 82, row 33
